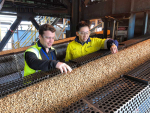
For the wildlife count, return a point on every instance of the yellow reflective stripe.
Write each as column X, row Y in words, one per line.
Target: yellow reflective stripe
column 37, row 52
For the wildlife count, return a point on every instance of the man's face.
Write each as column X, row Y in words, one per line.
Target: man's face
column 83, row 34
column 47, row 39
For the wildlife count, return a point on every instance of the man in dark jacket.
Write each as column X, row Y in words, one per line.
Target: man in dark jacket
column 42, row 56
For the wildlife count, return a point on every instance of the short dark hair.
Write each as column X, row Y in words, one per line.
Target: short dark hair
column 82, row 24
column 46, row 27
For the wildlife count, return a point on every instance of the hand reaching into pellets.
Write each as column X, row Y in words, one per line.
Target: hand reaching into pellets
column 113, row 49
column 63, row 67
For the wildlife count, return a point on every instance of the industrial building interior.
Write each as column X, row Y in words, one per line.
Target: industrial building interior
column 100, row 82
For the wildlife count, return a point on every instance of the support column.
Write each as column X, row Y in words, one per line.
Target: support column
column 105, row 27
column 112, row 29
column 64, row 24
column 68, row 33
column 0, row 33
column 145, row 23
column 10, row 33
column 131, row 26
column 74, row 17
column 96, row 21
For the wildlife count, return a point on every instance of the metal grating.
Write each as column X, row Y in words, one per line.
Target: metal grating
column 20, row 61
column 135, row 40
column 7, row 65
column 142, row 71
column 113, row 96
column 12, row 82
column 10, row 77
column 11, row 67
column 16, row 84
column 80, row 106
column 139, row 103
column 90, row 57
column 120, row 96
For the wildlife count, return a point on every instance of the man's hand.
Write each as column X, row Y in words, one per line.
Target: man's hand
column 63, row 67
column 113, row 49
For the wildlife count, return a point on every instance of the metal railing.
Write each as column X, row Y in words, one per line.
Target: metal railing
column 32, row 38
column 33, row 33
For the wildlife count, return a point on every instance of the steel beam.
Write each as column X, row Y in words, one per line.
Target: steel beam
column 41, row 12
column 10, row 33
column 105, row 27
column 112, row 28
column 131, row 26
column 145, row 23
column 114, row 8
column 34, row 23
column 122, row 6
column 55, row 21
column 38, row 3
column 98, row 10
column 60, row 9
column 132, row 6
column 99, row 25
column 56, row 11
column 74, row 17
column 1, row 3
column 141, row 5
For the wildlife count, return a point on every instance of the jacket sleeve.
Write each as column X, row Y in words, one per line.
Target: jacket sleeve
column 68, row 54
column 37, row 64
column 110, row 42
column 100, row 43
column 106, row 43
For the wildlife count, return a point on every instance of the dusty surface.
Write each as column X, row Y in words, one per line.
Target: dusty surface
column 53, row 94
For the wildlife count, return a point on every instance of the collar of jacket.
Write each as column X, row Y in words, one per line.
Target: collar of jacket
column 77, row 40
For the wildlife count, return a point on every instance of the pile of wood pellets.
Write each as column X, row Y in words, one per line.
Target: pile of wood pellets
column 53, row 94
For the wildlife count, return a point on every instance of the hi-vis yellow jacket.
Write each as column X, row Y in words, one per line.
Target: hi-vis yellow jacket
column 35, row 49
column 76, row 49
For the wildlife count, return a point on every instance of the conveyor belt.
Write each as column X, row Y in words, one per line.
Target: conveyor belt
column 135, row 40
column 19, row 83
column 121, row 95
